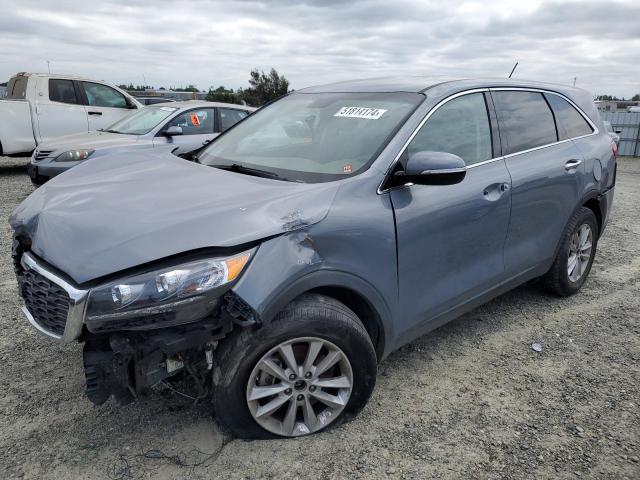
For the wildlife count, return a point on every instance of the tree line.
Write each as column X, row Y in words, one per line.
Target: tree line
column 635, row 98
column 263, row 88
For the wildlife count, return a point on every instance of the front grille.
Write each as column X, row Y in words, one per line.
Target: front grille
column 41, row 154
column 47, row 302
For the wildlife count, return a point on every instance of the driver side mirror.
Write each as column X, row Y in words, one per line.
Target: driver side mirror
column 173, row 131
column 431, row 168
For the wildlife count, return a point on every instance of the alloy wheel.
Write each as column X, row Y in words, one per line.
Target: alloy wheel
column 580, row 249
column 299, row 386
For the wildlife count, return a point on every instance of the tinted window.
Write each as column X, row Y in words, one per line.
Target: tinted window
column 526, row 120
column 103, row 96
column 461, row 127
column 194, row 122
column 229, row 117
column 17, row 88
column 62, row 91
column 570, row 123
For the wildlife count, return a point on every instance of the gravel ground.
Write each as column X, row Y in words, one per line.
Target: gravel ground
column 471, row 400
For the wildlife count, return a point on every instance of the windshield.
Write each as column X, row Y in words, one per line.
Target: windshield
column 141, row 121
column 314, row 137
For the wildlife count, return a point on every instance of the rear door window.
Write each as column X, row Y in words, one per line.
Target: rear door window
column 102, row 96
column 571, row 123
column 62, row 91
column 460, row 126
column 526, row 120
column 229, row 117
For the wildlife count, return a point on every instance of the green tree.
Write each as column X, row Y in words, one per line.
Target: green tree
column 636, row 97
column 264, row 87
column 188, row 88
column 222, row 94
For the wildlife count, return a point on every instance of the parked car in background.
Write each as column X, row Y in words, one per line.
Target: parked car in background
column 154, row 100
column 615, row 135
column 313, row 239
column 41, row 107
column 186, row 126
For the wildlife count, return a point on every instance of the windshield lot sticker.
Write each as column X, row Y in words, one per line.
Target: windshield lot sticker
column 360, row 112
column 347, row 168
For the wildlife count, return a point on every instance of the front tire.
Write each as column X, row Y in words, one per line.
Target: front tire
column 311, row 367
column 575, row 256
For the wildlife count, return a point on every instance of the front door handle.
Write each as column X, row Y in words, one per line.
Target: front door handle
column 494, row 191
column 94, row 113
column 572, row 164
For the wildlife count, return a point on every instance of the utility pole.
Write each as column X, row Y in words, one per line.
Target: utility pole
column 574, row 81
column 48, row 66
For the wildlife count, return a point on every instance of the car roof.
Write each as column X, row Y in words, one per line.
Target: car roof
column 202, row 103
column 421, row 84
column 441, row 87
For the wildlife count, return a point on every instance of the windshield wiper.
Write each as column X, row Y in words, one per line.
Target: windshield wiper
column 256, row 172
column 110, row 131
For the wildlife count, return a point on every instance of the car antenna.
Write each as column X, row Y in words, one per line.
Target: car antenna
column 513, row 69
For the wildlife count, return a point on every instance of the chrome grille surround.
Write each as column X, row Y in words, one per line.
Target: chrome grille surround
column 60, row 328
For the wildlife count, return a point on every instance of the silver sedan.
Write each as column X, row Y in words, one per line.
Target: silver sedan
column 180, row 126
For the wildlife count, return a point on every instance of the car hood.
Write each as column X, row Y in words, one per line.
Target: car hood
column 103, row 217
column 91, row 140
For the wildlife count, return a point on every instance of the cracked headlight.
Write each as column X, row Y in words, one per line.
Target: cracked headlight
column 74, row 156
column 168, row 296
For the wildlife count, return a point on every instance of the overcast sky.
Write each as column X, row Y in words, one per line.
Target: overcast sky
column 170, row 43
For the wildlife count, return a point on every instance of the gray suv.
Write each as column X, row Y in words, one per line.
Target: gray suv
column 312, row 239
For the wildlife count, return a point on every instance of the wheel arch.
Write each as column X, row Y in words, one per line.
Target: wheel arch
column 592, row 202
column 358, row 295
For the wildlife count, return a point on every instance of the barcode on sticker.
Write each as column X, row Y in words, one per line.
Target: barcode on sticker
column 360, row 112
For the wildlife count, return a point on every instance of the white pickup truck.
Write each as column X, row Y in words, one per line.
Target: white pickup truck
column 40, row 107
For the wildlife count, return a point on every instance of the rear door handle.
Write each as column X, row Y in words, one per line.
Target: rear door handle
column 572, row 164
column 94, row 113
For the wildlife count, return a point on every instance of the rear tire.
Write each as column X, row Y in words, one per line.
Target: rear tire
column 575, row 256
column 310, row 319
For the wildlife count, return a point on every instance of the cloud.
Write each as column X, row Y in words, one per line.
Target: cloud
column 311, row 42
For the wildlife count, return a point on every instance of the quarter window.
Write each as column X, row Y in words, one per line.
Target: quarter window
column 229, row 117
column 570, row 123
column 62, row 91
column 102, row 96
column 194, row 122
column 526, row 120
column 460, row 126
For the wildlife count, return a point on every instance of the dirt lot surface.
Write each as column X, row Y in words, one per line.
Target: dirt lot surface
column 471, row 400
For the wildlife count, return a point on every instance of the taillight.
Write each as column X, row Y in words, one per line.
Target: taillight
column 614, row 148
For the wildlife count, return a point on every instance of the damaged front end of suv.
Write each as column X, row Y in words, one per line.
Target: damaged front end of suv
column 142, row 328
